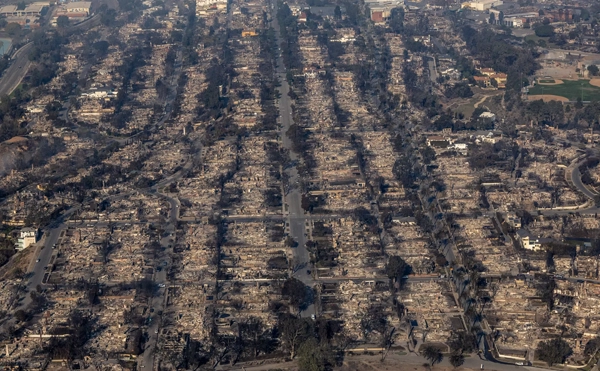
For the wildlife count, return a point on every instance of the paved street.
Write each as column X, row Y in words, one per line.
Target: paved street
column 400, row 361
column 574, row 175
column 20, row 60
column 158, row 300
column 39, row 267
column 16, row 71
column 576, row 180
column 36, row 276
column 293, row 199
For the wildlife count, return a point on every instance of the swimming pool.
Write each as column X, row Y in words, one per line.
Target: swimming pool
column 5, row 46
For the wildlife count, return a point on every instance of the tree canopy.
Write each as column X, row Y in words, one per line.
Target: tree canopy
column 433, row 354
column 62, row 21
column 493, row 50
column 296, row 292
column 457, row 359
column 545, row 30
column 396, row 268
column 311, row 356
column 553, row 351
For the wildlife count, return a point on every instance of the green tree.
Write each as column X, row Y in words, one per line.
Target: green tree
column 396, row 21
column 428, row 155
column 311, row 356
column 457, row 359
column 296, row 292
column 337, row 12
column 396, row 268
column 432, row 354
column 108, row 17
column 293, row 332
column 553, row 351
column 62, row 21
column 101, row 47
column 544, row 30
column 593, row 70
column 12, row 28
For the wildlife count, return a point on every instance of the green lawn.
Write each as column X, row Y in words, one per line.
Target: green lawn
column 570, row 89
column 535, row 38
column 466, row 109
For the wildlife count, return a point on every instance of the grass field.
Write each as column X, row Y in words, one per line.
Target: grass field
column 536, row 39
column 466, row 109
column 570, row 90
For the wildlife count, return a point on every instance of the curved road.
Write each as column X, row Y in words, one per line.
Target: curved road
column 16, row 71
column 20, row 60
column 576, row 179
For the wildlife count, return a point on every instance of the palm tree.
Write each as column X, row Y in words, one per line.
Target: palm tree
column 432, row 354
column 457, row 359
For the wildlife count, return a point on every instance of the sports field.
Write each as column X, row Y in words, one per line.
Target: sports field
column 570, row 89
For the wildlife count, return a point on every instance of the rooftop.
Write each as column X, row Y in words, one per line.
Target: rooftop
column 79, row 4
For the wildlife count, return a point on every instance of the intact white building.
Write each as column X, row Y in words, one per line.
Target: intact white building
column 204, row 7
column 488, row 116
column 529, row 241
column 79, row 7
column 481, row 5
column 513, row 22
column 27, row 237
column 100, row 93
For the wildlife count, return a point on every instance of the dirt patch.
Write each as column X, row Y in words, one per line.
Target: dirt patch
column 547, row 98
column 554, row 82
column 18, row 263
column 392, row 365
column 595, row 82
